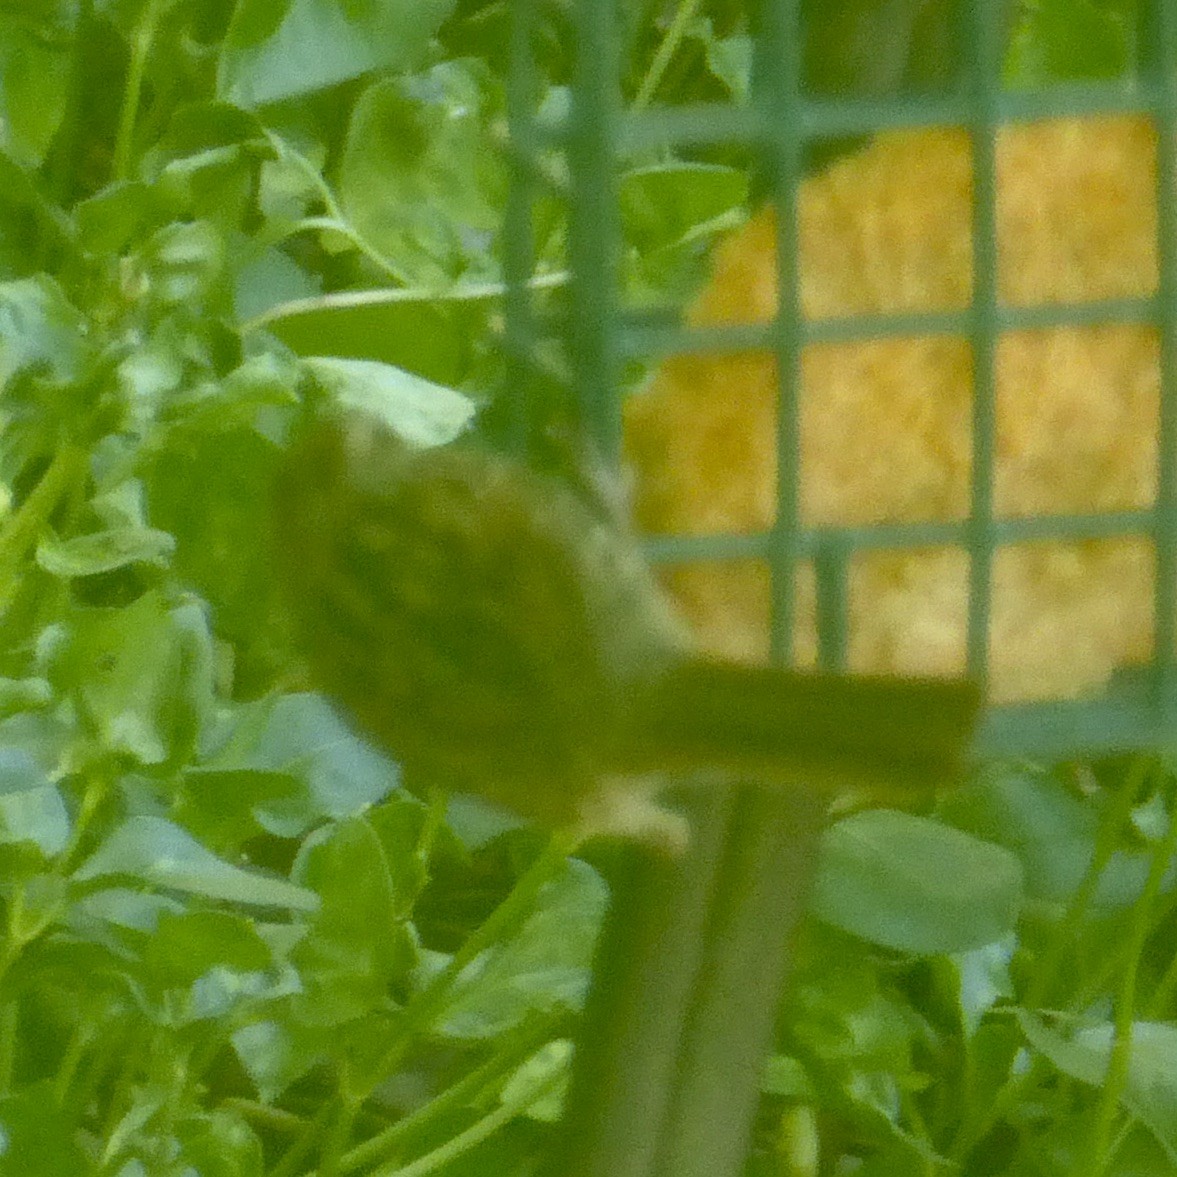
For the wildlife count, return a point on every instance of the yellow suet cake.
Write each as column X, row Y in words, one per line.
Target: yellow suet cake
column 885, row 424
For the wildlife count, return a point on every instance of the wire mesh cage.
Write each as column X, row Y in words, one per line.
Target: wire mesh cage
column 921, row 420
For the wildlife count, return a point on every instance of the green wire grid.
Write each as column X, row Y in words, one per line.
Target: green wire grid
column 1139, row 709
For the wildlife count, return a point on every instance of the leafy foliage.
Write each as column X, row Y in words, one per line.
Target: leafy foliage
column 232, row 945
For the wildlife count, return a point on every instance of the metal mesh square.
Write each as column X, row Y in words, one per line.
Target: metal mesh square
column 922, row 418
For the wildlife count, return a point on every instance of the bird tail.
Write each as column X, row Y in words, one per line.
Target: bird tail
column 824, row 729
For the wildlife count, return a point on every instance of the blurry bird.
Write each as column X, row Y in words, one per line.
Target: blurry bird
column 498, row 634
column 886, row 422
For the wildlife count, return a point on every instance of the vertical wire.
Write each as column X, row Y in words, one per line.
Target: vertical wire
column 779, row 105
column 593, row 227
column 984, row 65
column 831, row 569
column 1163, row 70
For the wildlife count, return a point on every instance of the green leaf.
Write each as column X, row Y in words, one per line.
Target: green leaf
column 983, row 979
column 39, row 329
column 420, row 412
column 186, row 945
column 348, row 866
column 141, row 674
column 1150, row 1093
column 134, row 911
column 148, row 377
column 730, row 60
column 320, row 43
column 426, row 332
column 103, row 551
column 40, row 902
column 255, row 22
column 423, row 175
column 270, row 278
column 18, row 771
column 785, row 1075
column 664, row 203
column 1050, row 829
column 367, row 872
column 185, row 261
column 35, row 815
column 26, row 217
column 22, row 694
column 300, row 737
column 37, row 1135
column 290, row 185
column 205, row 167
column 544, row 968
column 32, row 808
column 42, row 734
column 164, row 855
column 220, row 1144
column 274, row 1054
column 1055, row 40
column 280, row 766
column 110, row 220
column 538, row 1087
column 915, row 885
column 215, row 185
column 34, row 67
column 226, row 809
column 851, row 1018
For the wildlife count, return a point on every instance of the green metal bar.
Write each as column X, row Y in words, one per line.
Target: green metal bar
column 984, row 74
column 1058, row 100
column 894, row 536
column 831, row 565
column 694, row 125
column 706, row 124
column 777, row 95
column 662, row 339
column 1165, row 69
column 593, row 226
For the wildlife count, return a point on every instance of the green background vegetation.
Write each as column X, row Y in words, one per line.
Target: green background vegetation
column 231, row 945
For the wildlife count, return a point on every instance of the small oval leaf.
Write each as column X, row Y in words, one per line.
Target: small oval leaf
column 104, row 551
column 163, row 854
column 420, row 412
column 914, row 885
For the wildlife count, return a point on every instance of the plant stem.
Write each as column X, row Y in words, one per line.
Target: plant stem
column 424, row 1007
column 21, row 531
column 293, row 1157
column 666, row 50
column 141, row 42
column 1099, row 1154
column 459, row 1095
column 977, row 1125
column 475, row 1134
column 1106, row 841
